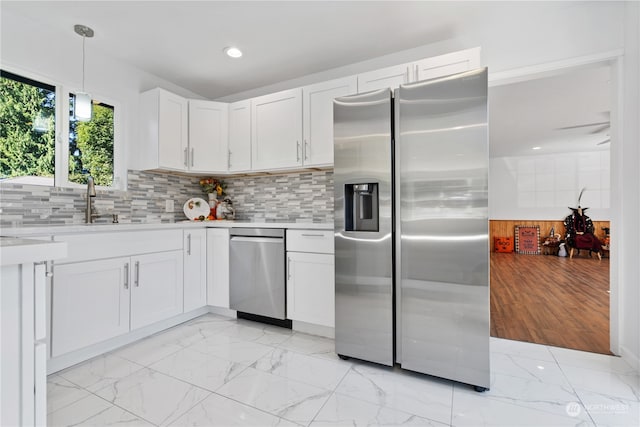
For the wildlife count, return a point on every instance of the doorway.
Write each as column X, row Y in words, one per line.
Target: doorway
column 550, row 137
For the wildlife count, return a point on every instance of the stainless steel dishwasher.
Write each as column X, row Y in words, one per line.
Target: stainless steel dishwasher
column 257, row 272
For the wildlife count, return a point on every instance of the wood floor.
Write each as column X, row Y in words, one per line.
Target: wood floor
column 551, row 300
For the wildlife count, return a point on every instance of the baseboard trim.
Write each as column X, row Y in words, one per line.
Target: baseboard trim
column 222, row 311
column 630, row 358
column 310, row 328
column 61, row 362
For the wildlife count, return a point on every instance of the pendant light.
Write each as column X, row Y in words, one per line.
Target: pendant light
column 83, row 107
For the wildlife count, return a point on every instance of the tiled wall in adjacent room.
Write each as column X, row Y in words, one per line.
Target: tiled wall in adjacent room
column 294, row 197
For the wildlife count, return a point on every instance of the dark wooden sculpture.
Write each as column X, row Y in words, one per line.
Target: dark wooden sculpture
column 579, row 231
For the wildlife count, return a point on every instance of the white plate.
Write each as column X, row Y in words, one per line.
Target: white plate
column 196, row 207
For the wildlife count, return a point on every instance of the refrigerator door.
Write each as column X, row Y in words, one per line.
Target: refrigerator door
column 363, row 242
column 442, row 251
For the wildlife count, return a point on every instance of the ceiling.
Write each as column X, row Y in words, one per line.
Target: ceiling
column 533, row 114
column 183, row 42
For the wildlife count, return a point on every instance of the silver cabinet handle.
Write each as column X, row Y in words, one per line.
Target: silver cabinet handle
column 137, row 279
column 288, row 268
column 306, row 150
column 189, row 244
column 186, row 160
column 312, row 235
column 297, row 151
column 193, row 156
column 126, row 275
column 229, row 159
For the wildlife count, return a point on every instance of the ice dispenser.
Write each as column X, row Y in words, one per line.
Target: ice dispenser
column 361, row 207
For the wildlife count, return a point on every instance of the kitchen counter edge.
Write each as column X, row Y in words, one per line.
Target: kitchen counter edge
column 49, row 230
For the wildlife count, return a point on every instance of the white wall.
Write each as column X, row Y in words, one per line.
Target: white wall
column 628, row 159
column 545, row 186
column 50, row 56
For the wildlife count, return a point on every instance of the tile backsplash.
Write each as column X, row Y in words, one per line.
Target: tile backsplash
column 294, row 197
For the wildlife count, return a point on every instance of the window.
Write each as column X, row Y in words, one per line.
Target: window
column 28, row 152
column 91, row 145
column 27, row 130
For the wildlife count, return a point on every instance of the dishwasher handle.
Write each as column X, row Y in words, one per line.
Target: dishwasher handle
column 257, row 239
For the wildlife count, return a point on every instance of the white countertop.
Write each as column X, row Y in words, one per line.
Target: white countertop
column 48, row 230
column 15, row 250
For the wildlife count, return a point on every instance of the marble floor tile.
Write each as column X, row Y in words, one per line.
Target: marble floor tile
column 220, row 411
column 609, row 410
column 421, row 395
column 93, row 411
column 100, row 371
column 594, row 361
column 61, row 393
column 611, row 384
column 528, row 393
column 204, row 370
column 543, row 371
column 311, row 345
column 243, row 352
column 289, row 399
column 148, row 350
column 343, row 410
column 153, row 396
column 521, row 349
column 254, row 332
column 476, row 409
column 300, row 367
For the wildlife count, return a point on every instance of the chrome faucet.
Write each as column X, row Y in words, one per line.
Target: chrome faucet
column 91, row 192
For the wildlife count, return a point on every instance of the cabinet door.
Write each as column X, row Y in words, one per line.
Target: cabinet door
column 218, row 267
column 317, row 107
column 195, row 269
column 451, row 63
column 208, row 126
column 156, row 291
column 390, row 77
column 240, row 136
column 310, row 288
column 173, row 131
column 276, row 130
column 90, row 303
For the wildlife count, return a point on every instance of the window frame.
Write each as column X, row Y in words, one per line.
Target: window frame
column 62, row 93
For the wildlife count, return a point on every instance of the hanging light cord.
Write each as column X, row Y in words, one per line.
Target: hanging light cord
column 83, row 40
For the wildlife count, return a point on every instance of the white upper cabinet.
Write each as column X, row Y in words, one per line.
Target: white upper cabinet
column 451, row 63
column 390, row 77
column 208, row 134
column 164, row 130
column 239, row 156
column 276, row 130
column 317, row 110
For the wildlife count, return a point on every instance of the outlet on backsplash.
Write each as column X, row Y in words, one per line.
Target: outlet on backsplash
column 169, row 206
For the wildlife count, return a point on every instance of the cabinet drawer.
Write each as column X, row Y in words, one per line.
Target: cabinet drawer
column 317, row 241
column 90, row 246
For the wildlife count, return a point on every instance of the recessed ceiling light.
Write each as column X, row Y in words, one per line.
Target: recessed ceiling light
column 536, row 148
column 233, row 52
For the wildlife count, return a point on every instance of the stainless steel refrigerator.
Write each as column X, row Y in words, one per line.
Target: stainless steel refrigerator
column 411, row 227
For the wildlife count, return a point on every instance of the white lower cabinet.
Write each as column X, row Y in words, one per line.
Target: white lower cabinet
column 195, row 269
column 93, row 301
column 311, row 277
column 90, row 303
column 310, row 288
column 157, row 287
column 218, row 267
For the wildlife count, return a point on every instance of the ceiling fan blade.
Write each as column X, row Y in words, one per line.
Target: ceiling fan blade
column 585, row 125
column 600, row 128
column 606, row 141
